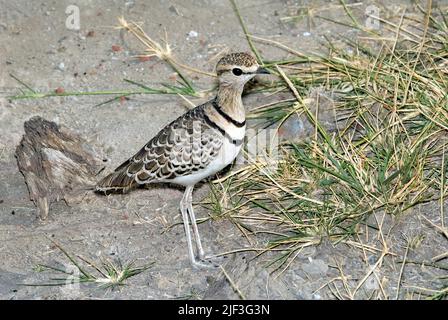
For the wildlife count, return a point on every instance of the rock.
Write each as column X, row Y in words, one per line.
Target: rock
column 292, row 129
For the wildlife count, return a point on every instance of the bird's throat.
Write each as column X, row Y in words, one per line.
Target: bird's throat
column 229, row 100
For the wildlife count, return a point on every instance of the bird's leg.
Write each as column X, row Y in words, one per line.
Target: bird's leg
column 201, row 253
column 184, row 210
column 210, row 262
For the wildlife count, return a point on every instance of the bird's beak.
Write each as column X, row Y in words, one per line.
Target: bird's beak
column 262, row 70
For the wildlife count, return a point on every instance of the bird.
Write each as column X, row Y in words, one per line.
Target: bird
column 197, row 145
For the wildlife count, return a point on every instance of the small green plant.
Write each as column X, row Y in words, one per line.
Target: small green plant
column 107, row 274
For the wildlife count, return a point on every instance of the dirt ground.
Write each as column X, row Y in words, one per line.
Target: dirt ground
column 145, row 225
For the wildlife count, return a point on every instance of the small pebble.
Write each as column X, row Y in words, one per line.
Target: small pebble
column 192, row 34
column 306, row 34
column 129, row 4
column 317, row 296
column 59, row 90
column 116, row 48
column 61, row 66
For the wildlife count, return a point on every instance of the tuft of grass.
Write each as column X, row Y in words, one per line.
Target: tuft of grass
column 107, row 274
column 386, row 153
column 153, row 48
column 439, row 295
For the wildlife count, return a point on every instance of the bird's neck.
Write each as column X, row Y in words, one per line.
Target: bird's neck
column 229, row 99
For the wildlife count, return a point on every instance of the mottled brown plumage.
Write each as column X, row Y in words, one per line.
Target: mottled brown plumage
column 240, row 59
column 186, row 145
column 196, row 145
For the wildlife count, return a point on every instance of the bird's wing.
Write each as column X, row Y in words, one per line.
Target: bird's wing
column 186, row 145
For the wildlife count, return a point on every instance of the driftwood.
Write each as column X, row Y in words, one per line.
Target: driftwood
column 56, row 163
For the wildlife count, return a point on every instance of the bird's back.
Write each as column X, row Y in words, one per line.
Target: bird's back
column 182, row 148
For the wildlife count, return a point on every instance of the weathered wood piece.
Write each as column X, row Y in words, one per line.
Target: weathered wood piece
column 57, row 164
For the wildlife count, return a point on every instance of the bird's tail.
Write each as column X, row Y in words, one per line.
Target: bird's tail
column 117, row 182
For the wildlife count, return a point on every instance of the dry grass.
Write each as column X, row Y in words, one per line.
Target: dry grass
column 386, row 156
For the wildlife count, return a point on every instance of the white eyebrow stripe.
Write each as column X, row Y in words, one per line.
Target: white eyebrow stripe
column 250, row 69
column 245, row 69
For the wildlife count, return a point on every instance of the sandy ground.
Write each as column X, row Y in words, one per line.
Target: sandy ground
column 38, row 48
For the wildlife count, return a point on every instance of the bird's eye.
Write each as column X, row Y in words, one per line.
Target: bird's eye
column 237, row 71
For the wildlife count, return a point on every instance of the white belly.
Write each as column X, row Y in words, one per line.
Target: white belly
column 227, row 154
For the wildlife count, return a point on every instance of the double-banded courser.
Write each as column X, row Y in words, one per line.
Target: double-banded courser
column 195, row 146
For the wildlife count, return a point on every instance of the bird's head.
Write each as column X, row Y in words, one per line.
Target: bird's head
column 235, row 69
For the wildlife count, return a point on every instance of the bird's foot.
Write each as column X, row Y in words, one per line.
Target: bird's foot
column 214, row 260
column 201, row 254
column 204, row 264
